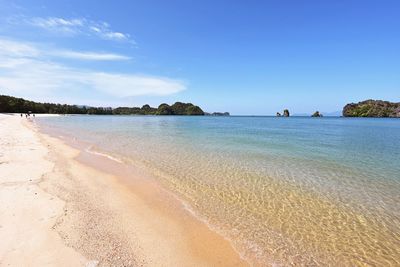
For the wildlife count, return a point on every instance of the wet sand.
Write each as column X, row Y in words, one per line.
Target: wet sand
column 62, row 206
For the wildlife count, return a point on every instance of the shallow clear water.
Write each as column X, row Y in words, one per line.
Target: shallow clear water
column 302, row 191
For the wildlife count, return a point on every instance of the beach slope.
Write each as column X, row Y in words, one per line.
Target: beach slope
column 58, row 211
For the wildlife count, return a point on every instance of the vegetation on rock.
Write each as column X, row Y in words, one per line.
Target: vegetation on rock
column 180, row 108
column 372, row 108
column 194, row 110
column 316, row 114
column 19, row 105
column 286, row 113
column 164, row 109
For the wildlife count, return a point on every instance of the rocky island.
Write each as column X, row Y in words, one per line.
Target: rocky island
column 372, row 108
column 316, row 114
column 217, row 114
column 285, row 113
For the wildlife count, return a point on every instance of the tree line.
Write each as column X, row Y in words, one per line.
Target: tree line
column 9, row 104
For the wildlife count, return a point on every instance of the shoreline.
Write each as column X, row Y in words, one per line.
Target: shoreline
column 111, row 217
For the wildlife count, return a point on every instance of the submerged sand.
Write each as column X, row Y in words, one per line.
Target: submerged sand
column 61, row 207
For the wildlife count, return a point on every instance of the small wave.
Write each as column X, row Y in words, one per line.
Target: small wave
column 89, row 150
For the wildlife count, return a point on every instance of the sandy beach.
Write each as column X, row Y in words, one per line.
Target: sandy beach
column 62, row 207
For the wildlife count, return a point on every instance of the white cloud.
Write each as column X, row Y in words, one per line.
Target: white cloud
column 75, row 26
column 26, row 50
column 141, row 84
column 56, row 22
column 17, row 49
column 88, row 55
column 25, row 70
column 115, row 36
column 58, row 25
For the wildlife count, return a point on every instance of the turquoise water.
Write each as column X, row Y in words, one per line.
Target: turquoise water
column 285, row 191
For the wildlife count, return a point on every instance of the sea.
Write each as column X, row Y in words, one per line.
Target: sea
column 284, row 191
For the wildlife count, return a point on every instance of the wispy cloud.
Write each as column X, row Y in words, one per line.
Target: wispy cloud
column 88, row 55
column 17, row 49
column 27, row 70
column 21, row 49
column 53, row 22
column 77, row 26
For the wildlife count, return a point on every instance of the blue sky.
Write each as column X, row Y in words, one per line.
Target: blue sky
column 246, row 57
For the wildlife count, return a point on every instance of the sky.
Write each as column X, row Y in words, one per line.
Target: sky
column 245, row 57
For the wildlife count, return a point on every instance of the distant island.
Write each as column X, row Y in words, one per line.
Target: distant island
column 285, row 113
column 372, row 108
column 9, row 104
column 317, row 114
column 217, row 114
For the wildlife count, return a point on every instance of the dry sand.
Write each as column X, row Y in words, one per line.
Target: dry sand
column 62, row 207
column 27, row 212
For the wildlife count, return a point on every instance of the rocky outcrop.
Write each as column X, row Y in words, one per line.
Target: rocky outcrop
column 179, row 108
column 286, row 113
column 372, row 108
column 194, row 110
column 316, row 114
column 164, row 109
